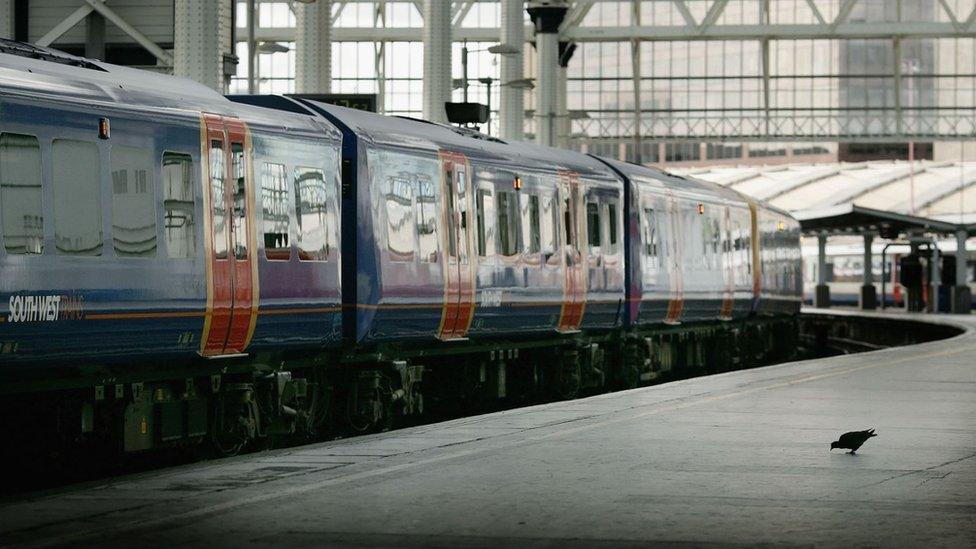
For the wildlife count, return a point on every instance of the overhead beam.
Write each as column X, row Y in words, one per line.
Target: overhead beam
column 968, row 24
column 65, row 25
column 340, row 6
column 136, row 34
column 713, row 14
column 685, row 13
column 460, row 13
column 843, row 13
column 816, row 12
column 576, row 14
column 948, row 11
column 918, row 29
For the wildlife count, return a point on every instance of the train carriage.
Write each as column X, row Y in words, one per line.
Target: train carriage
column 131, row 225
column 461, row 237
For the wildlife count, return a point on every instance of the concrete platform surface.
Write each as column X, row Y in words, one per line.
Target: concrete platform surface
column 732, row 459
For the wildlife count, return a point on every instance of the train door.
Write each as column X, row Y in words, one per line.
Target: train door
column 727, row 265
column 231, row 284
column 574, row 288
column 459, row 292
column 676, row 283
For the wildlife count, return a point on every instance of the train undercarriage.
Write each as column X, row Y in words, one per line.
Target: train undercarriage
column 273, row 400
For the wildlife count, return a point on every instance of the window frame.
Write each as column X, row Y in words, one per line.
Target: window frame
column 99, row 184
column 512, row 228
column 192, row 250
column 288, row 207
column 150, row 171
column 42, row 188
column 298, row 219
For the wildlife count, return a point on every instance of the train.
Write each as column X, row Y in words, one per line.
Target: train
column 845, row 264
column 181, row 267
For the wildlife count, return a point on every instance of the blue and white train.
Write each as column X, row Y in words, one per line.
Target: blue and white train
column 180, row 266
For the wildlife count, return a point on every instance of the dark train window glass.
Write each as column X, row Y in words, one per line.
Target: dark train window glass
column 133, row 203
column 650, row 233
column 716, row 238
column 20, row 194
column 178, row 201
column 275, row 210
column 77, row 198
column 480, row 220
column 568, row 224
column 399, row 217
column 535, row 231
column 593, row 225
column 451, row 209
column 218, row 199
column 311, row 209
column 426, row 209
column 612, row 227
column 508, row 241
column 239, row 173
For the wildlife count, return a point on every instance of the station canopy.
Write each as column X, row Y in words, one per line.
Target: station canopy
column 858, row 197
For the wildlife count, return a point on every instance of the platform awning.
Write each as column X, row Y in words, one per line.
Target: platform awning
column 851, row 219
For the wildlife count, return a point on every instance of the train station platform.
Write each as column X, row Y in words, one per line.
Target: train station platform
column 729, row 459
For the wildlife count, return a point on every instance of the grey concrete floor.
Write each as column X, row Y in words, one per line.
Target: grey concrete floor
column 732, row 459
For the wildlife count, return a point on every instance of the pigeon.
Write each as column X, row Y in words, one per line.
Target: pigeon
column 852, row 440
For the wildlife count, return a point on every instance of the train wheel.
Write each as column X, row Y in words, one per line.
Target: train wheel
column 631, row 364
column 230, row 431
column 369, row 405
column 568, row 379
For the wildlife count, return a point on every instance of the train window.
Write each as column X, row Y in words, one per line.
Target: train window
column 311, row 211
column 549, row 222
column 426, row 218
column 535, row 232
column 650, row 233
column 716, row 239
column 593, row 225
column 612, row 227
column 20, row 194
column 274, row 206
column 77, row 198
column 480, row 221
column 568, row 224
column 178, row 202
column 399, row 217
column 239, row 173
column 218, row 198
column 508, row 238
column 133, row 203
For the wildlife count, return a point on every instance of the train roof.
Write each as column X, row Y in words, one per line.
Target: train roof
column 30, row 70
column 655, row 176
column 420, row 134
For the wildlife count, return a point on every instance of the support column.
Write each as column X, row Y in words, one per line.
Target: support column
column 962, row 299
column 563, row 123
column 546, row 16
column 198, row 42
column 935, row 278
column 511, row 110
column 437, row 59
column 822, row 297
column 869, row 295
column 7, row 19
column 95, row 36
column 313, row 47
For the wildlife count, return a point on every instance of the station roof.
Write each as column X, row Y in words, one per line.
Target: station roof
column 852, row 219
column 857, row 197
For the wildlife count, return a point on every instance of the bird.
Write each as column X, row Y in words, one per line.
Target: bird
column 852, row 440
